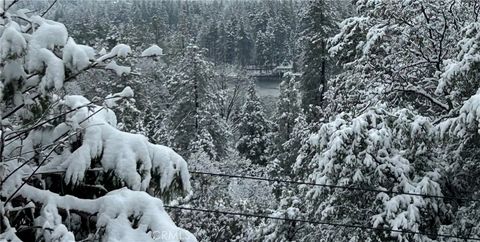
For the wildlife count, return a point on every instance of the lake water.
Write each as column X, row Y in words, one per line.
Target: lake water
column 268, row 87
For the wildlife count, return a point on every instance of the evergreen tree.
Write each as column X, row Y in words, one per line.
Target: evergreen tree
column 230, row 40
column 318, row 27
column 63, row 156
column 263, row 49
column 196, row 104
column 244, row 46
column 287, row 108
column 253, row 129
column 392, row 146
column 209, row 39
column 287, row 120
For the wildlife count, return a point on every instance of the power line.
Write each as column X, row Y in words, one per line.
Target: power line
column 331, row 186
column 356, row 226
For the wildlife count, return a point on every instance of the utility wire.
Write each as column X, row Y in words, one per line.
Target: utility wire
column 356, row 226
column 331, row 186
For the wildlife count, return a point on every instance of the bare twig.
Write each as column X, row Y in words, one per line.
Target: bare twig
column 31, row 175
column 48, row 9
column 5, row 9
column 2, row 141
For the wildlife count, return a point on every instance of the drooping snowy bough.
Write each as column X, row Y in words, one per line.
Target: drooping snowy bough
column 67, row 173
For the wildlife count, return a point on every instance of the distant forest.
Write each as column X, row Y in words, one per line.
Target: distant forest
column 260, row 33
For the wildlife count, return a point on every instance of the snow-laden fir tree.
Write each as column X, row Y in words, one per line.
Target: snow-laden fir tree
column 384, row 147
column 435, row 75
column 402, row 58
column 253, row 129
column 459, row 134
column 383, row 150
column 380, row 149
column 195, row 114
column 318, row 26
column 67, row 173
column 287, row 121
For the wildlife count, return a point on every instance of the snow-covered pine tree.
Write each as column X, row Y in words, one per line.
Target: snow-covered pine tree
column 437, row 74
column 380, row 149
column 286, row 119
column 66, row 172
column 383, row 150
column 399, row 59
column 243, row 46
column 318, row 27
column 262, row 49
column 195, row 113
column 253, row 129
column 287, row 108
column 459, row 135
column 385, row 147
column 209, row 39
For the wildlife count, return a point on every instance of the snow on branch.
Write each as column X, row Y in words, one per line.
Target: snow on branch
column 77, row 57
column 130, row 156
column 424, row 94
column 468, row 120
column 464, row 62
column 71, row 135
column 350, row 149
column 153, row 50
column 119, row 70
column 120, row 50
column 116, row 212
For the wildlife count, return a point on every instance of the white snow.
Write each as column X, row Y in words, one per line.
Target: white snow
column 48, row 35
column 54, row 72
column 120, row 50
column 119, row 70
column 126, row 92
column 167, row 163
column 133, row 159
column 115, row 212
column 103, row 51
column 112, row 99
column 12, row 42
column 40, row 55
column 77, row 57
column 22, row 13
column 153, row 50
column 50, row 220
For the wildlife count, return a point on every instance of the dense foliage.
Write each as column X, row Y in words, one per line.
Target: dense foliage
column 67, row 172
column 379, row 101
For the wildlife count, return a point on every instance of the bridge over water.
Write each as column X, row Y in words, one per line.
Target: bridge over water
column 269, row 73
column 267, row 79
